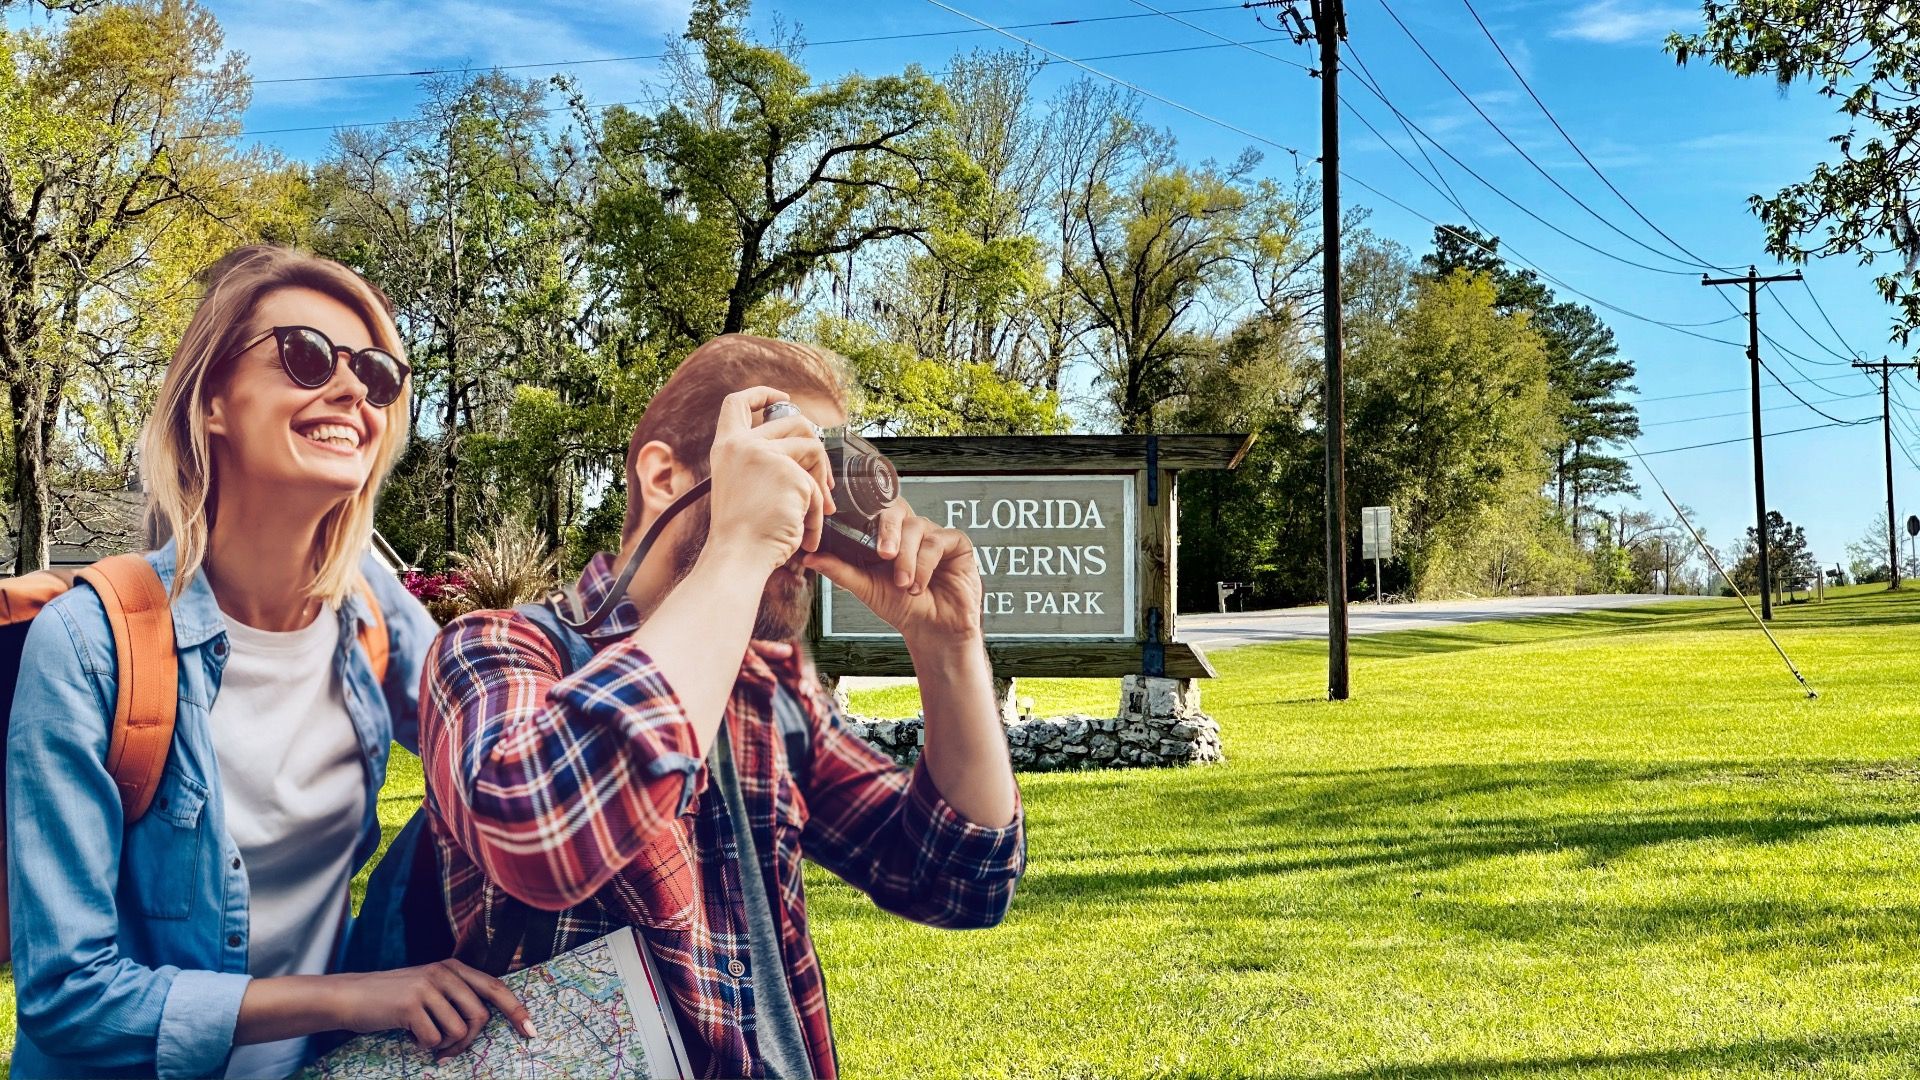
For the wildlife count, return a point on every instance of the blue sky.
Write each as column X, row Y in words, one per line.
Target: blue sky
column 1686, row 145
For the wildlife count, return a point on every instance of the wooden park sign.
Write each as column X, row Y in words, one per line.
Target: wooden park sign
column 1075, row 537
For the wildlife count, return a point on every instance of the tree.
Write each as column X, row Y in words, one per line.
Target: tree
column 50, row 6
column 1455, row 400
column 753, row 178
column 1867, row 557
column 1654, row 552
column 898, row 392
column 475, row 219
column 1584, row 370
column 116, row 144
column 1789, row 560
column 1153, row 250
column 1866, row 58
column 964, row 291
column 1258, row 524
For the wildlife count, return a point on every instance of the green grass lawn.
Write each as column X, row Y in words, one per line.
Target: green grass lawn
column 1605, row 845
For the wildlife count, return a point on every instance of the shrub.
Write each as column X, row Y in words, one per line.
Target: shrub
column 510, row 566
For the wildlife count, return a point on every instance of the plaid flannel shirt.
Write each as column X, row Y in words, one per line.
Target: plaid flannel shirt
column 585, row 795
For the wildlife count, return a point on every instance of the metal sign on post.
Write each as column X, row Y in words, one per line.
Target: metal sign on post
column 1913, row 537
column 1376, row 543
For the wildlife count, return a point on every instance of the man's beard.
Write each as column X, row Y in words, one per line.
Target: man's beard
column 784, row 604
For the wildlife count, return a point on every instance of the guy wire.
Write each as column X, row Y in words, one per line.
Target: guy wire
column 1708, row 552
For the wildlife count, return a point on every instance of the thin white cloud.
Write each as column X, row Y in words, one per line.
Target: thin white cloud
column 291, row 38
column 1746, row 140
column 1614, row 22
column 1522, row 57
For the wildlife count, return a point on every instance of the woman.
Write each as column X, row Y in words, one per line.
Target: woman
column 197, row 941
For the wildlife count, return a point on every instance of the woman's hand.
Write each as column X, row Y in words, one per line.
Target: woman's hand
column 443, row 1006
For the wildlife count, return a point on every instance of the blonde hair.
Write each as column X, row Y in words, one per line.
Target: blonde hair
column 176, row 462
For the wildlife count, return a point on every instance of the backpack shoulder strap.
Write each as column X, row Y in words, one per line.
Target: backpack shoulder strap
column 791, row 719
column 373, row 633
column 572, row 647
column 149, row 675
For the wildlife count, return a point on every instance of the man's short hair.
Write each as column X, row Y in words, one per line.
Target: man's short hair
column 682, row 414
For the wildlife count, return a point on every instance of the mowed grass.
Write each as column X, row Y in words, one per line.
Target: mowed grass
column 1606, row 845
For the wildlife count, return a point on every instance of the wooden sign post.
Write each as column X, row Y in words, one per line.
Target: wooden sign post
column 1076, row 538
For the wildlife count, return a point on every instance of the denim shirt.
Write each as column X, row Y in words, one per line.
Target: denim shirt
column 130, row 943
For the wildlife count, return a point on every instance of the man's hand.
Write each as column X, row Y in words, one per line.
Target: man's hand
column 929, row 591
column 772, row 484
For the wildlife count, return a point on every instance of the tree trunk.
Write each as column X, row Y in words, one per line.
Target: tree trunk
column 30, row 492
column 554, row 510
column 1560, row 483
column 736, row 321
column 450, row 462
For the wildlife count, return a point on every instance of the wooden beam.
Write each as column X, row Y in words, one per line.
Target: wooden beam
column 987, row 454
column 1154, row 582
column 1052, row 659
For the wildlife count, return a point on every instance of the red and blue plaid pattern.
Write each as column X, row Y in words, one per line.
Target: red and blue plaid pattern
column 584, row 794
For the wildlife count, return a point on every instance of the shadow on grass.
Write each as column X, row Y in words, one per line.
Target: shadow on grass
column 1375, row 823
column 1776, row 1056
column 1765, row 926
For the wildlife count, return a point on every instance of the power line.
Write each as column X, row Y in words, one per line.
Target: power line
column 1842, row 358
column 1116, row 80
column 1769, row 435
column 614, row 104
column 1366, row 75
column 1444, row 190
column 662, row 56
column 1373, row 88
column 1517, row 148
column 1555, row 121
column 1822, row 309
column 1742, row 412
column 1732, row 389
column 1511, row 256
column 1247, row 45
column 1715, row 560
column 1906, row 424
column 1794, row 394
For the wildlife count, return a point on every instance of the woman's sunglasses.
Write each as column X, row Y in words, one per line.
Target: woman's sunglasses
column 310, row 357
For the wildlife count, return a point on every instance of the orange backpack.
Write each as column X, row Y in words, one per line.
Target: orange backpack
column 148, row 665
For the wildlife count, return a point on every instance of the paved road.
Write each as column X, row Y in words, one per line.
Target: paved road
column 1288, row 624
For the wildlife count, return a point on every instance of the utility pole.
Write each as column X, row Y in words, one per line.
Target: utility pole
column 1753, row 281
column 1886, row 440
column 1329, row 26
column 1326, row 25
column 1328, row 19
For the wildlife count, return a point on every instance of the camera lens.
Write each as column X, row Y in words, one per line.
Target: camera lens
column 871, row 484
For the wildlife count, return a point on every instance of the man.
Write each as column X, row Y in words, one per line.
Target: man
column 590, row 795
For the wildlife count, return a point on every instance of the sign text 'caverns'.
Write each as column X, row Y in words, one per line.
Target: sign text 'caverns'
column 1057, row 553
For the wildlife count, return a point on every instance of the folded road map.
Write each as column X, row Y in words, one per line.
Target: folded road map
column 601, row 1011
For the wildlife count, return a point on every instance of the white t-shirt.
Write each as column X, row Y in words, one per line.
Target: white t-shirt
column 295, row 787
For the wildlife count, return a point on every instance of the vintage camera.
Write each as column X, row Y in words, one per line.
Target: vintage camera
column 865, row 483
